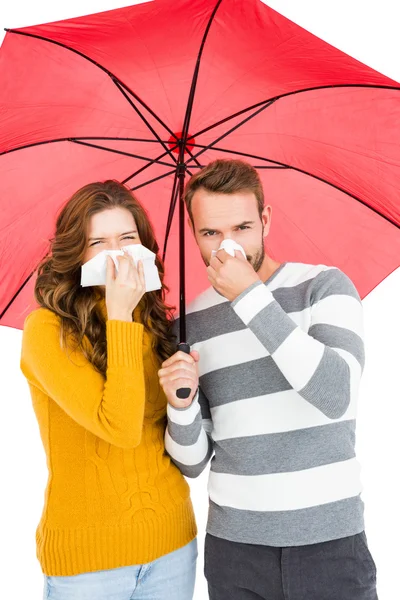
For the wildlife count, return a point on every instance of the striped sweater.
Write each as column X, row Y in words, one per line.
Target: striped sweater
column 279, row 376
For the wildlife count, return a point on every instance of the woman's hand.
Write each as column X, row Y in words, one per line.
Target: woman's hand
column 180, row 371
column 124, row 289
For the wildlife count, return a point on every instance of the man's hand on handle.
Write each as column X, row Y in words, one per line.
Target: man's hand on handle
column 180, row 371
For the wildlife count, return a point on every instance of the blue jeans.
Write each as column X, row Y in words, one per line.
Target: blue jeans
column 170, row 577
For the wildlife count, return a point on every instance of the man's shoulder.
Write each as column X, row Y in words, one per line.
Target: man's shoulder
column 207, row 299
column 293, row 273
column 203, row 313
column 201, row 308
column 322, row 280
column 298, row 272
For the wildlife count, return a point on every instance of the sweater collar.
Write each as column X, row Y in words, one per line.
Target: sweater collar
column 102, row 307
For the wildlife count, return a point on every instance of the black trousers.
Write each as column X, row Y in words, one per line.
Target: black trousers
column 338, row 570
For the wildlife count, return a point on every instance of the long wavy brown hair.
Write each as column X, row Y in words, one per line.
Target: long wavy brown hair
column 58, row 283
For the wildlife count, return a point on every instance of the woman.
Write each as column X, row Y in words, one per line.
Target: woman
column 118, row 521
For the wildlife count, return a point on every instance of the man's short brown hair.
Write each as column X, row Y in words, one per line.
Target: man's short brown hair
column 225, row 177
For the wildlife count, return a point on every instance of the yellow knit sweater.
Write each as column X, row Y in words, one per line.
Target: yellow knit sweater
column 113, row 496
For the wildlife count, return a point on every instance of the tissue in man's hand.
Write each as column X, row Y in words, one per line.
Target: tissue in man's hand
column 94, row 272
column 229, row 246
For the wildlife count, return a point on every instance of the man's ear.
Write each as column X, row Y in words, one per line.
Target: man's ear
column 266, row 218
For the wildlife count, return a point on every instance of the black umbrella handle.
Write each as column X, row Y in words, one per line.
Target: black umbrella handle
column 183, row 393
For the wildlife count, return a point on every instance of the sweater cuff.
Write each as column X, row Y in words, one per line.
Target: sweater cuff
column 184, row 416
column 252, row 301
column 124, row 344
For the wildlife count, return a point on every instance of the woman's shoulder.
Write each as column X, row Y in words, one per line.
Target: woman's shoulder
column 40, row 320
column 40, row 338
column 42, row 315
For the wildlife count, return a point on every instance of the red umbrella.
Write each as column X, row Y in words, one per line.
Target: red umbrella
column 150, row 93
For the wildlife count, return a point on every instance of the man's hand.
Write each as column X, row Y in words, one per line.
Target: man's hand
column 229, row 275
column 180, row 371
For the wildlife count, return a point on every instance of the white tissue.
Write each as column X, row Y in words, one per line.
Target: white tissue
column 229, row 246
column 94, row 272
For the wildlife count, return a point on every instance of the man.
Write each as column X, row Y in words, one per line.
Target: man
column 282, row 353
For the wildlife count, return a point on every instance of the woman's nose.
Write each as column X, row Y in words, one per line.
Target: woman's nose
column 114, row 246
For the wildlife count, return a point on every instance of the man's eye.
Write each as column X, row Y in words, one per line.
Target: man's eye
column 209, row 233
column 242, row 227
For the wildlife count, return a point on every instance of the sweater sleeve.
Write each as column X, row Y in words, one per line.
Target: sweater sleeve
column 324, row 365
column 188, row 436
column 111, row 407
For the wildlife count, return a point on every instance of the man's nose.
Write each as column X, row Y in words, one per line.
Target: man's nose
column 229, row 236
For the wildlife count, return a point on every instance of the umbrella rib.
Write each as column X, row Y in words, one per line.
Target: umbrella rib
column 69, row 139
column 99, row 66
column 337, row 187
column 16, row 294
column 193, row 86
column 76, row 140
column 122, row 152
column 192, row 156
column 265, row 167
column 34, row 144
column 136, row 173
column 269, row 167
column 145, row 121
column 118, row 139
column 281, row 165
column 153, row 180
column 224, row 135
column 293, row 93
column 147, row 166
column 246, row 154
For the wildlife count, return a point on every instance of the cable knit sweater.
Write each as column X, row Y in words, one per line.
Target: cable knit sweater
column 113, row 496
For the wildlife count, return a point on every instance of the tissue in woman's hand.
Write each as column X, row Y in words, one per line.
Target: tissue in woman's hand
column 94, row 272
column 229, row 246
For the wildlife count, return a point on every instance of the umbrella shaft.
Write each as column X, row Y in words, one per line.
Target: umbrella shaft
column 182, row 288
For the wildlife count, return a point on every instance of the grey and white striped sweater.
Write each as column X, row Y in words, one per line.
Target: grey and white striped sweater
column 279, row 376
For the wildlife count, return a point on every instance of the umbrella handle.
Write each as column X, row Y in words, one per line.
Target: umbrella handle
column 183, row 393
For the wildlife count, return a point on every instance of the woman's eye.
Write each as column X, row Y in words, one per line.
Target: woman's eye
column 94, row 244
column 129, row 237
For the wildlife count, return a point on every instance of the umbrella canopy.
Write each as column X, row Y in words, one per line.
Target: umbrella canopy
column 150, row 93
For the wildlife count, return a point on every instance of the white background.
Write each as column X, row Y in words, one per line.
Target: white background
column 367, row 30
